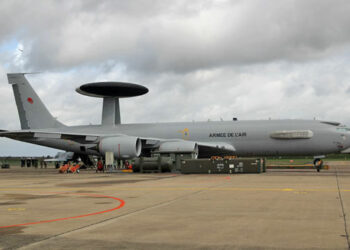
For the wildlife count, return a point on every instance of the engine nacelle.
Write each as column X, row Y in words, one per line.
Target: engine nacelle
column 123, row 147
column 179, row 147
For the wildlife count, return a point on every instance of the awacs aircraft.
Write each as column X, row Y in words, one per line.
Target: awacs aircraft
column 203, row 139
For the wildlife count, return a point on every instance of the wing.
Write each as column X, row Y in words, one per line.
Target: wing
column 33, row 134
column 202, row 149
column 84, row 138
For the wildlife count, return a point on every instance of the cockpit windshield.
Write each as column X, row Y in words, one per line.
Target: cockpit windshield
column 343, row 129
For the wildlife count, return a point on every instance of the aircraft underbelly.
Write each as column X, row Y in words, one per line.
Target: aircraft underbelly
column 271, row 147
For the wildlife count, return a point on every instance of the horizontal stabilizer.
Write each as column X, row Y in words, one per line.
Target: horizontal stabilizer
column 62, row 156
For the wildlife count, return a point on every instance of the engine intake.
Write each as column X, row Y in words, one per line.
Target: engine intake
column 123, row 147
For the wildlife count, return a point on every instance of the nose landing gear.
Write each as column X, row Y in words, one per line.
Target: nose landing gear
column 318, row 163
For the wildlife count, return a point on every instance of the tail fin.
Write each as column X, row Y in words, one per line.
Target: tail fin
column 32, row 112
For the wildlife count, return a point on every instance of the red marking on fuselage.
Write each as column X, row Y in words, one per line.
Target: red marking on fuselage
column 30, row 100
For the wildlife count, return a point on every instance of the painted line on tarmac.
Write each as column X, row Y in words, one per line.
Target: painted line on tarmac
column 122, row 203
column 35, row 245
column 186, row 189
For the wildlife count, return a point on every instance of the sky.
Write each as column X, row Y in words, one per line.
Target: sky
column 200, row 60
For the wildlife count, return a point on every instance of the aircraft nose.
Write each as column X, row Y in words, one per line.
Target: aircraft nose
column 345, row 138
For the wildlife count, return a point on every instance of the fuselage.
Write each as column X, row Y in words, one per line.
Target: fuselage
column 242, row 138
column 249, row 138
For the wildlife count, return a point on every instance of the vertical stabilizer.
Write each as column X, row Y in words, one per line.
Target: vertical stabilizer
column 32, row 112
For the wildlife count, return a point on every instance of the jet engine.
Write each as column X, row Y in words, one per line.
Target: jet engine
column 123, row 147
column 179, row 147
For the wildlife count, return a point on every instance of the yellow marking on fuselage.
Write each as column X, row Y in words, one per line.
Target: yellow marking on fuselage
column 185, row 133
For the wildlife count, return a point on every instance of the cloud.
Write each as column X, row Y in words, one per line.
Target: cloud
column 200, row 59
column 181, row 36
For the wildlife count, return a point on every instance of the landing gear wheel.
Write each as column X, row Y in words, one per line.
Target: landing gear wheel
column 318, row 163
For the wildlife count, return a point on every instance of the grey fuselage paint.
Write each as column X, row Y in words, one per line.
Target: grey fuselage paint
column 249, row 138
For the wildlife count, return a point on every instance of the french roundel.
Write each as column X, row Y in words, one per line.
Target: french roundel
column 30, row 100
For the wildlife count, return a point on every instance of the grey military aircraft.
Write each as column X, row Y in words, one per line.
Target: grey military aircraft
column 203, row 139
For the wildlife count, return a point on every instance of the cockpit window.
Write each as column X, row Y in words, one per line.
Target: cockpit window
column 344, row 129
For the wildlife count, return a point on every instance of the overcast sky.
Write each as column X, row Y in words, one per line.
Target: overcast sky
column 200, row 59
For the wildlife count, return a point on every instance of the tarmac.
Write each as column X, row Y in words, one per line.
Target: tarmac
column 280, row 209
